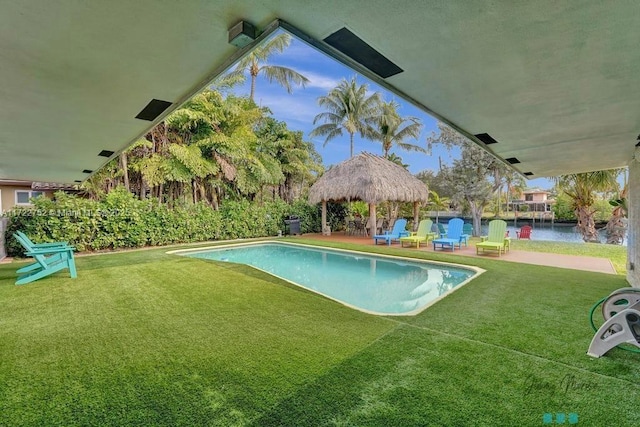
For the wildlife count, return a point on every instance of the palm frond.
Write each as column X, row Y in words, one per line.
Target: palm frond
column 284, row 76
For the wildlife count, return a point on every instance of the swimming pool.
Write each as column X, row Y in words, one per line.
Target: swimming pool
column 371, row 283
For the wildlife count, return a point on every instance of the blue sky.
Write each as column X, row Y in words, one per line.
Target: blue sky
column 299, row 109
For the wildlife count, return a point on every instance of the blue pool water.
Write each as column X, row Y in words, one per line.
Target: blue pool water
column 374, row 284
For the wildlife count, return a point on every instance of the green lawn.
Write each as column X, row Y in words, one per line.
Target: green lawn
column 144, row 338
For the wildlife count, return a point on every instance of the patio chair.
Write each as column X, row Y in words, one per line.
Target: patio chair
column 48, row 260
column 380, row 226
column 496, row 240
column 424, row 234
column 40, row 245
column 398, row 231
column 524, row 233
column 454, row 232
column 467, row 231
column 359, row 227
column 389, row 224
column 441, row 229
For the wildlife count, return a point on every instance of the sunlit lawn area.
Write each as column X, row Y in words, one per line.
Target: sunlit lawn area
column 144, row 338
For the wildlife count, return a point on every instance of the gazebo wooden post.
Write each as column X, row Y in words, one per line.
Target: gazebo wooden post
column 324, row 216
column 373, row 221
column 416, row 215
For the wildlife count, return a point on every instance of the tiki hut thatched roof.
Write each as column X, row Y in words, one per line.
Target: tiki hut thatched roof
column 369, row 178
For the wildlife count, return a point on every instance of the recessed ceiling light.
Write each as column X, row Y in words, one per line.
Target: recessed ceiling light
column 106, row 153
column 154, row 108
column 512, row 160
column 528, row 173
column 486, row 138
column 361, row 52
column 87, row 171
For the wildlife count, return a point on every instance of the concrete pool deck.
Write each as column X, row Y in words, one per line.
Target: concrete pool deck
column 575, row 262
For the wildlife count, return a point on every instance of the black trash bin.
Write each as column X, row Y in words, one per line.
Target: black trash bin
column 292, row 225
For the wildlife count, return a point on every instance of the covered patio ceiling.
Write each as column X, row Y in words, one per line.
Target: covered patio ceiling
column 554, row 83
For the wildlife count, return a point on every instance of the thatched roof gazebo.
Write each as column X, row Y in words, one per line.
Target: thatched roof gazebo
column 372, row 179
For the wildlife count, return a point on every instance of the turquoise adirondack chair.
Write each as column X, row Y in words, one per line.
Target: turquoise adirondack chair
column 424, row 234
column 441, row 230
column 496, row 240
column 40, row 245
column 399, row 230
column 467, row 231
column 48, row 260
column 454, row 232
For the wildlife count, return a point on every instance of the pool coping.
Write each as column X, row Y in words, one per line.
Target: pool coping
column 477, row 270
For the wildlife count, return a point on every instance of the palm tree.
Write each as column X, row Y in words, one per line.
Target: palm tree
column 515, row 185
column 391, row 129
column 255, row 63
column 298, row 159
column 348, row 108
column 617, row 224
column 581, row 188
column 394, row 158
column 436, row 202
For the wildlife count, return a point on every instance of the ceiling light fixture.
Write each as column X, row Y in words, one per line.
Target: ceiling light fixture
column 486, row 138
column 361, row 52
column 153, row 109
column 241, row 34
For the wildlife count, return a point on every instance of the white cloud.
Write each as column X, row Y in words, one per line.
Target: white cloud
column 319, row 81
column 287, row 107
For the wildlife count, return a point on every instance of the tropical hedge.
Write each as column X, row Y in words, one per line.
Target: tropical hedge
column 121, row 220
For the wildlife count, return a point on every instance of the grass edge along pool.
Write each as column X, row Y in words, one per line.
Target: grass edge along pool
column 372, row 283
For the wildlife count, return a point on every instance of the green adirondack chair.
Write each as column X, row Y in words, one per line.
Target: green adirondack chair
column 496, row 239
column 423, row 234
column 48, row 260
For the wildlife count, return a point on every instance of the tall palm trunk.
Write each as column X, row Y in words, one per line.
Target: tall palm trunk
column 351, row 140
column 586, row 224
column 616, row 227
column 253, row 71
column 125, row 170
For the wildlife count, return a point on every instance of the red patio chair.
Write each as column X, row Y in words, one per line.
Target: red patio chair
column 524, row 233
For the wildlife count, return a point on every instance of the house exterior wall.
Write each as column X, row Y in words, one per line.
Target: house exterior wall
column 8, row 195
column 633, row 204
column 534, row 197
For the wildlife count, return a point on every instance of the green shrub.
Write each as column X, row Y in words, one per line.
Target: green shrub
column 562, row 209
column 121, row 220
column 311, row 216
